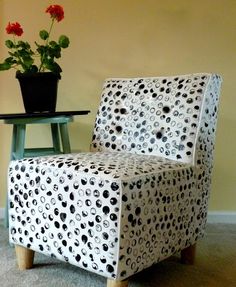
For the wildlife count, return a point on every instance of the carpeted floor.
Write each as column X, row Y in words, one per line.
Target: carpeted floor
column 215, row 267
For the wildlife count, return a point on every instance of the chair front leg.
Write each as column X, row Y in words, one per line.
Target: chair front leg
column 188, row 255
column 25, row 257
column 114, row 283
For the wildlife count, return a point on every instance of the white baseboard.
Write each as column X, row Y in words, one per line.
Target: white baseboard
column 221, row 217
column 213, row 216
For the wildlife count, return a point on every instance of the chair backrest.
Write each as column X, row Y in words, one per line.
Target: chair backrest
column 173, row 117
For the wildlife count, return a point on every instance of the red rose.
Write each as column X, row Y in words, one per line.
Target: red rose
column 14, row 28
column 56, row 12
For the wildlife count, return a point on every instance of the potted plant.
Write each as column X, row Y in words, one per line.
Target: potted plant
column 37, row 70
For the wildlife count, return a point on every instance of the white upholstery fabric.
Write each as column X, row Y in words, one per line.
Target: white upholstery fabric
column 157, row 116
column 140, row 196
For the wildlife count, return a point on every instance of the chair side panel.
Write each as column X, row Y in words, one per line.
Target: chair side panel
column 157, row 221
column 205, row 144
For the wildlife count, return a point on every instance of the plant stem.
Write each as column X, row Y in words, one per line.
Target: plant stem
column 17, row 54
column 42, row 68
column 50, row 29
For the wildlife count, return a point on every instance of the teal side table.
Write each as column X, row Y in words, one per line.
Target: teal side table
column 59, row 132
column 58, row 122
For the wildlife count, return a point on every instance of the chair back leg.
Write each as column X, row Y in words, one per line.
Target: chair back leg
column 188, row 255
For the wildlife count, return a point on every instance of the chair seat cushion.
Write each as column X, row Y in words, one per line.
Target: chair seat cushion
column 108, row 212
column 110, row 165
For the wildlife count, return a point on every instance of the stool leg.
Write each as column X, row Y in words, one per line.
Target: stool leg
column 55, row 138
column 6, row 215
column 25, row 257
column 13, row 142
column 20, row 141
column 65, row 138
column 17, row 152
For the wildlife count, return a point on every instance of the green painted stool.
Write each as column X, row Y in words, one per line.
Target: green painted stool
column 59, row 131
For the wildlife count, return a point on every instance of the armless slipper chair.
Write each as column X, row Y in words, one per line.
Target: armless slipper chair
column 140, row 195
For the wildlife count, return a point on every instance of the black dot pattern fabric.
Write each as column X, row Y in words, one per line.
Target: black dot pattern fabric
column 116, row 211
column 158, row 116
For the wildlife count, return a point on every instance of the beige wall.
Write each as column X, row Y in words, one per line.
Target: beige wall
column 131, row 38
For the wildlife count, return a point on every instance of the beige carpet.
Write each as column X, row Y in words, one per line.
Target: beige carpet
column 215, row 267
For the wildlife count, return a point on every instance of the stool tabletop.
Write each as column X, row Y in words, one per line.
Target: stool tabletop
column 42, row 115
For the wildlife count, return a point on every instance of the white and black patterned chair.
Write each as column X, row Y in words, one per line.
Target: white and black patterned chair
column 140, row 196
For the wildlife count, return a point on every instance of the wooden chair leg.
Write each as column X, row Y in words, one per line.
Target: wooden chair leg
column 25, row 257
column 114, row 283
column 188, row 255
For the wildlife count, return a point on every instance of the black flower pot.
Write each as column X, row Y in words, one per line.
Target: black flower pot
column 39, row 91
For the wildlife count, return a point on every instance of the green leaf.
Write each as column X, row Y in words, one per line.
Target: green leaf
column 23, row 53
column 53, row 44
column 43, row 34
column 41, row 49
column 53, row 67
column 9, row 44
column 58, row 54
column 28, row 61
column 64, row 41
column 5, row 66
column 55, row 51
column 10, row 60
column 32, row 69
column 13, row 54
column 23, row 45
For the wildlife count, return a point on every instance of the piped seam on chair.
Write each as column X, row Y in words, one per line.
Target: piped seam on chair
column 200, row 117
